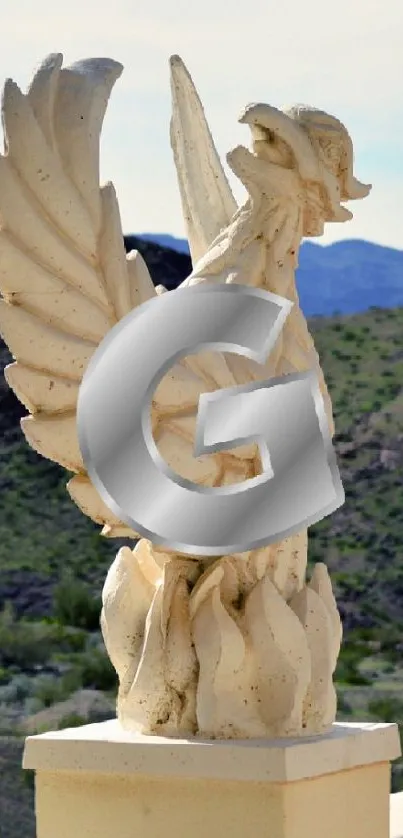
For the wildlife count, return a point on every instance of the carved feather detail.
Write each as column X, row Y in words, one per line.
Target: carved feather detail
column 65, row 279
column 207, row 201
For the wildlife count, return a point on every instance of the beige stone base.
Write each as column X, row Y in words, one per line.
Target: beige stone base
column 100, row 782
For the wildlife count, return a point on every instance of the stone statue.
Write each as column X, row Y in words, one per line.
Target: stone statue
column 241, row 646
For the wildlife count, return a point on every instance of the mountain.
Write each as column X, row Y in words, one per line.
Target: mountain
column 345, row 277
column 349, row 277
column 180, row 245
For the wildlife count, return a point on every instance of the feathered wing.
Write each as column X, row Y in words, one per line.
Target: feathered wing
column 64, row 276
column 66, row 281
column 207, row 201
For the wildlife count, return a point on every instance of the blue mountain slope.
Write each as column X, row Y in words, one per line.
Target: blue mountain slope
column 346, row 277
column 166, row 240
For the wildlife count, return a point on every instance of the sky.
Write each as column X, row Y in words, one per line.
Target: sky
column 344, row 56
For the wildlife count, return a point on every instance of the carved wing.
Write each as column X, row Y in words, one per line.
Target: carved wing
column 65, row 279
column 64, row 276
column 207, row 201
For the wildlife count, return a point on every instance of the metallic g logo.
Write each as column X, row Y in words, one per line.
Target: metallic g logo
column 286, row 417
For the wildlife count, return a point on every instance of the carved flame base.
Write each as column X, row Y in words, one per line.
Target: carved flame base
column 240, row 648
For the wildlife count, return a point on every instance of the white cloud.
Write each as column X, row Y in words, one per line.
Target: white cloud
column 345, row 57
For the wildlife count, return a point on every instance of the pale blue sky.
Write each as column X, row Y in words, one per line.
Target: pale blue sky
column 345, row 57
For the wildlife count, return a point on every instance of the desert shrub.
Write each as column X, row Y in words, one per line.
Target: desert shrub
column 97, row 672
column 72, row 720
column 23, row 644
column 49, row 690
column 17, row 690
column 5, row 676
column 75, row 604
column 386, row 709
column 76, row 720
column 89, row 670
column 342, row 705
column 347, row 671
column 27, row 645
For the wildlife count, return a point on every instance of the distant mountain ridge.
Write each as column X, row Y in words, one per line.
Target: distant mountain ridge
column 347, row 277
column 165, row 240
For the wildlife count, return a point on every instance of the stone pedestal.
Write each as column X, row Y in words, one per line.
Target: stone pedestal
column 98, row 781
column 396, row 815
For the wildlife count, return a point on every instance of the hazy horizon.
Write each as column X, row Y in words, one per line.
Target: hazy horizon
column 317, row 241
column 350, row 63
